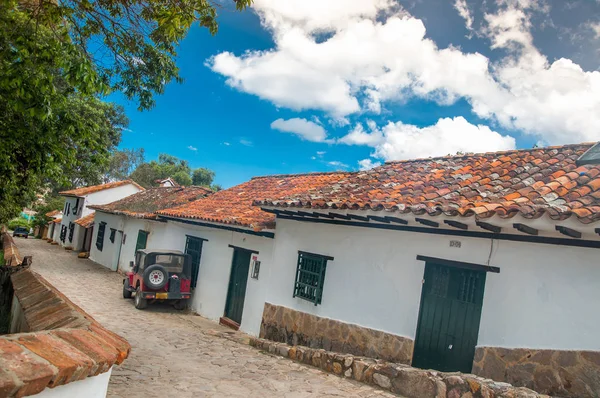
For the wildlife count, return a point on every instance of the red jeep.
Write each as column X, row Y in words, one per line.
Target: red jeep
column 159, row 275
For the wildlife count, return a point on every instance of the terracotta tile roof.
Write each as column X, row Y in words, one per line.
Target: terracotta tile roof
column 61, row 343
column 96, row 188
column 144, row 204
column 529, row 182
column 86, row 221
column 57, row 220
column 234, row 205
column 53, row 213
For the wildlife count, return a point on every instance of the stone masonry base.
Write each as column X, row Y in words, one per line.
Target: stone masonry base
column 553, row 372
column 293, row 327
column 397, row 378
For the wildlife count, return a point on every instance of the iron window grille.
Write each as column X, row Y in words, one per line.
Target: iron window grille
column 310, row 276
column 71, row 231
column 100, row 237
column 63, row 233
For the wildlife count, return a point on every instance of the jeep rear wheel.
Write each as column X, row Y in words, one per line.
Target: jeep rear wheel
column 180, row 305
column 139, row 302
column 126, row 291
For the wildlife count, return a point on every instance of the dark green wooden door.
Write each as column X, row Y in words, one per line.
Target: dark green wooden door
column 142, row 239
column 193, row 247
column 448, row 327
column 237, row 285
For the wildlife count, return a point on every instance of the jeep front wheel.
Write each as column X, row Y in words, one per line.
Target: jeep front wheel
column 140, row 302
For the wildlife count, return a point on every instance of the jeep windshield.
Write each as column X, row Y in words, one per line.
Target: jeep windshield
column 172, row 263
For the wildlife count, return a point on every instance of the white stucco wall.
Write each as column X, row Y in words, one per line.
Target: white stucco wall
column 90, row 387
column 107, row 196
column 106, row 256
column 131, row 229
column 56, row 233
column 215, row 267
column 545, row 296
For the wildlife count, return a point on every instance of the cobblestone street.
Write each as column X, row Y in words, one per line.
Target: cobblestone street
column 176, row 354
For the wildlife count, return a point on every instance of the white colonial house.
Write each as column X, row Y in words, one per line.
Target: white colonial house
column 231, row 242
column 49, row 229
column 482, row 263
column 77, row 206
column 129, row 224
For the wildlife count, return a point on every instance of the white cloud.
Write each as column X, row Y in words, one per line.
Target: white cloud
column 375, row 52
column 192, row 148
column 463, row 10
column 246, row 142
column 321, row 153
column 595, row 27
column 305, row 129
column 226, row 143
column 396, row 141
column 367, row 164
column 337, row 164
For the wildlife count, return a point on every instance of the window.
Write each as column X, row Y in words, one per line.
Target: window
column 310, row 276
column 76, row 209
column 193, row 247
column 100, row 237
column 141, row 240
column 113, row 232
column 71, row 230
column 63, row 233
column 67, row 208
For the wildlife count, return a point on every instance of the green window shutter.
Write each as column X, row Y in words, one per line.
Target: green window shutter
column 310, row 276
column 100, row 237
column 142, row 239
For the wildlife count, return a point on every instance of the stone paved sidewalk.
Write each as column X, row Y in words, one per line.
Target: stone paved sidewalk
column 176, row 354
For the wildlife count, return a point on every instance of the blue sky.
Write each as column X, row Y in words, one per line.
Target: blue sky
column 433, row 96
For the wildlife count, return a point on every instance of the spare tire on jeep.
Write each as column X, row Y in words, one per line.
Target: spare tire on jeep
column 155, row 276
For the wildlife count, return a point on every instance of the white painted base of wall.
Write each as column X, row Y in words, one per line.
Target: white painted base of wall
column 91, row 387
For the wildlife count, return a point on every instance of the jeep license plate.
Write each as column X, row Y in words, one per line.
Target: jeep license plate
column 162, row 295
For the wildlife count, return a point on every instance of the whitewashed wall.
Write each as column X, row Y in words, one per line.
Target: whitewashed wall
column 70, row 218
column 90, row 387
column 56, row 233
column 131, row 229
column 107, row 196
column 106, row 256
column 215, row 268
column 543, row 297
column 78, row 236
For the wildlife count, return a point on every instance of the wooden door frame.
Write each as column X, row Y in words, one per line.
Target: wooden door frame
column 450, row 264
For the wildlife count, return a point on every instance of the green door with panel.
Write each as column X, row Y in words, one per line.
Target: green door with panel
column 236, row 294
column 451, row 303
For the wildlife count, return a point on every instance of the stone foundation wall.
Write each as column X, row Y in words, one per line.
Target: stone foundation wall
column 400, row 379
column 552, row 372
column 282, row 324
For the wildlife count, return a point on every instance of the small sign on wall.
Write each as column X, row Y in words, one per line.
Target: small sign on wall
column 255, row 267
column 455, row 243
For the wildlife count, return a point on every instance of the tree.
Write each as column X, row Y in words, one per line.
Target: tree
column 50, row 203
column 122, row 163
column 203, row 177
column 52, row 126
column 147, row 174
column 134, row 41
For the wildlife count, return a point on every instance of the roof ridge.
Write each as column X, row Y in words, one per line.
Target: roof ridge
column 510, row 151
column 314, row 173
